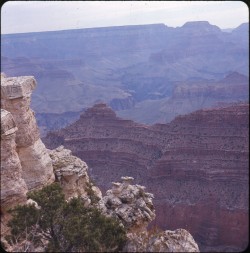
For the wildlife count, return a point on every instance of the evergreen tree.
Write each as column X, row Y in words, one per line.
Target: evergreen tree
column 66, row 226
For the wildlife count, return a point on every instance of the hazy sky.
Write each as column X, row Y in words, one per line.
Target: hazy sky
column 35, row 16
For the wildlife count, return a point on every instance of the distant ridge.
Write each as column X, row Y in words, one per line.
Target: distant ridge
column 104, row 28
column 135, row 69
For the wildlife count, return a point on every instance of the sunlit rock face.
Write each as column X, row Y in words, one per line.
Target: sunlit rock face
column 13, row 187
column 36, row 164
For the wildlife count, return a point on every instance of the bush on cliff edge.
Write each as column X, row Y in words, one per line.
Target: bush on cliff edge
column 60, row 226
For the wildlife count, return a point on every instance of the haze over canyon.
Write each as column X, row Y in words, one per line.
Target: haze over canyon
column 148, row 73
column 166, row 106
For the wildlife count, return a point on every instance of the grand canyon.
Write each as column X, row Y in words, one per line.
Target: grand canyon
column 167, row 107
column 196, row 166
column 147, row 73
column 27, row 167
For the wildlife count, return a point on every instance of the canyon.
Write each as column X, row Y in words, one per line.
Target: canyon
column 27, row 165
column 197, row 166
column 134, row 69
column 153, row 120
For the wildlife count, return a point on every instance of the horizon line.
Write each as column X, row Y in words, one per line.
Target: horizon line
column 102, row 27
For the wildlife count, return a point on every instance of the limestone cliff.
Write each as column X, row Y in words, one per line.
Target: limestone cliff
column 36, row 164
column 13, row 187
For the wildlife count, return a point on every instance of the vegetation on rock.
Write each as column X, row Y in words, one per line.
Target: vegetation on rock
column 60, row 226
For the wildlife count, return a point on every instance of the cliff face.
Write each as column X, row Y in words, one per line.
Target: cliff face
column 27, row 165
column 196, row 166
column 23, row 152
column 207, row 161
column 36, row 165
column 13, row 187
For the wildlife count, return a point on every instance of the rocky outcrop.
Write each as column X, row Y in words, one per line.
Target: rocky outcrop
column 72, row 174
column 179, row 240
column 196, row 166
column 130, row 204
column 23, row 153
column 133, row 207
column 36, row 164
column 13, row 187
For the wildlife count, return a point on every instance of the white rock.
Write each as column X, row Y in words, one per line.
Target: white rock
column 126, row 204
column 13, row 187
column 37, row 168
column 72, row 174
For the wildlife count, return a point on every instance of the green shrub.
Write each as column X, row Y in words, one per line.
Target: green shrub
column 66, row 226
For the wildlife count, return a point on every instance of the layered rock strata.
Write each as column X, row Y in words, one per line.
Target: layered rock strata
column 36, row 164
column 128, row 203
column 13, row 187
column 196, row 166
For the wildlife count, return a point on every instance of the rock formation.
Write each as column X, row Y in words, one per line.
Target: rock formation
column 196, row 166
column 133, row 207
column 13, row 187
column 27, row 165
column 37, row 168
column 179, row 240
column 72, row 174
column 130, row 204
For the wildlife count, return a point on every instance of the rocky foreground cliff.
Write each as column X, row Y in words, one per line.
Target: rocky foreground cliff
column 196, row 167
column 26, row 164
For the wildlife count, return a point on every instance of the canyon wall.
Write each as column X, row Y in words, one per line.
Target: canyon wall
column 196, row 166
column 13, row 187
column 147, row 73
column 27, row 165
column 37, row 169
